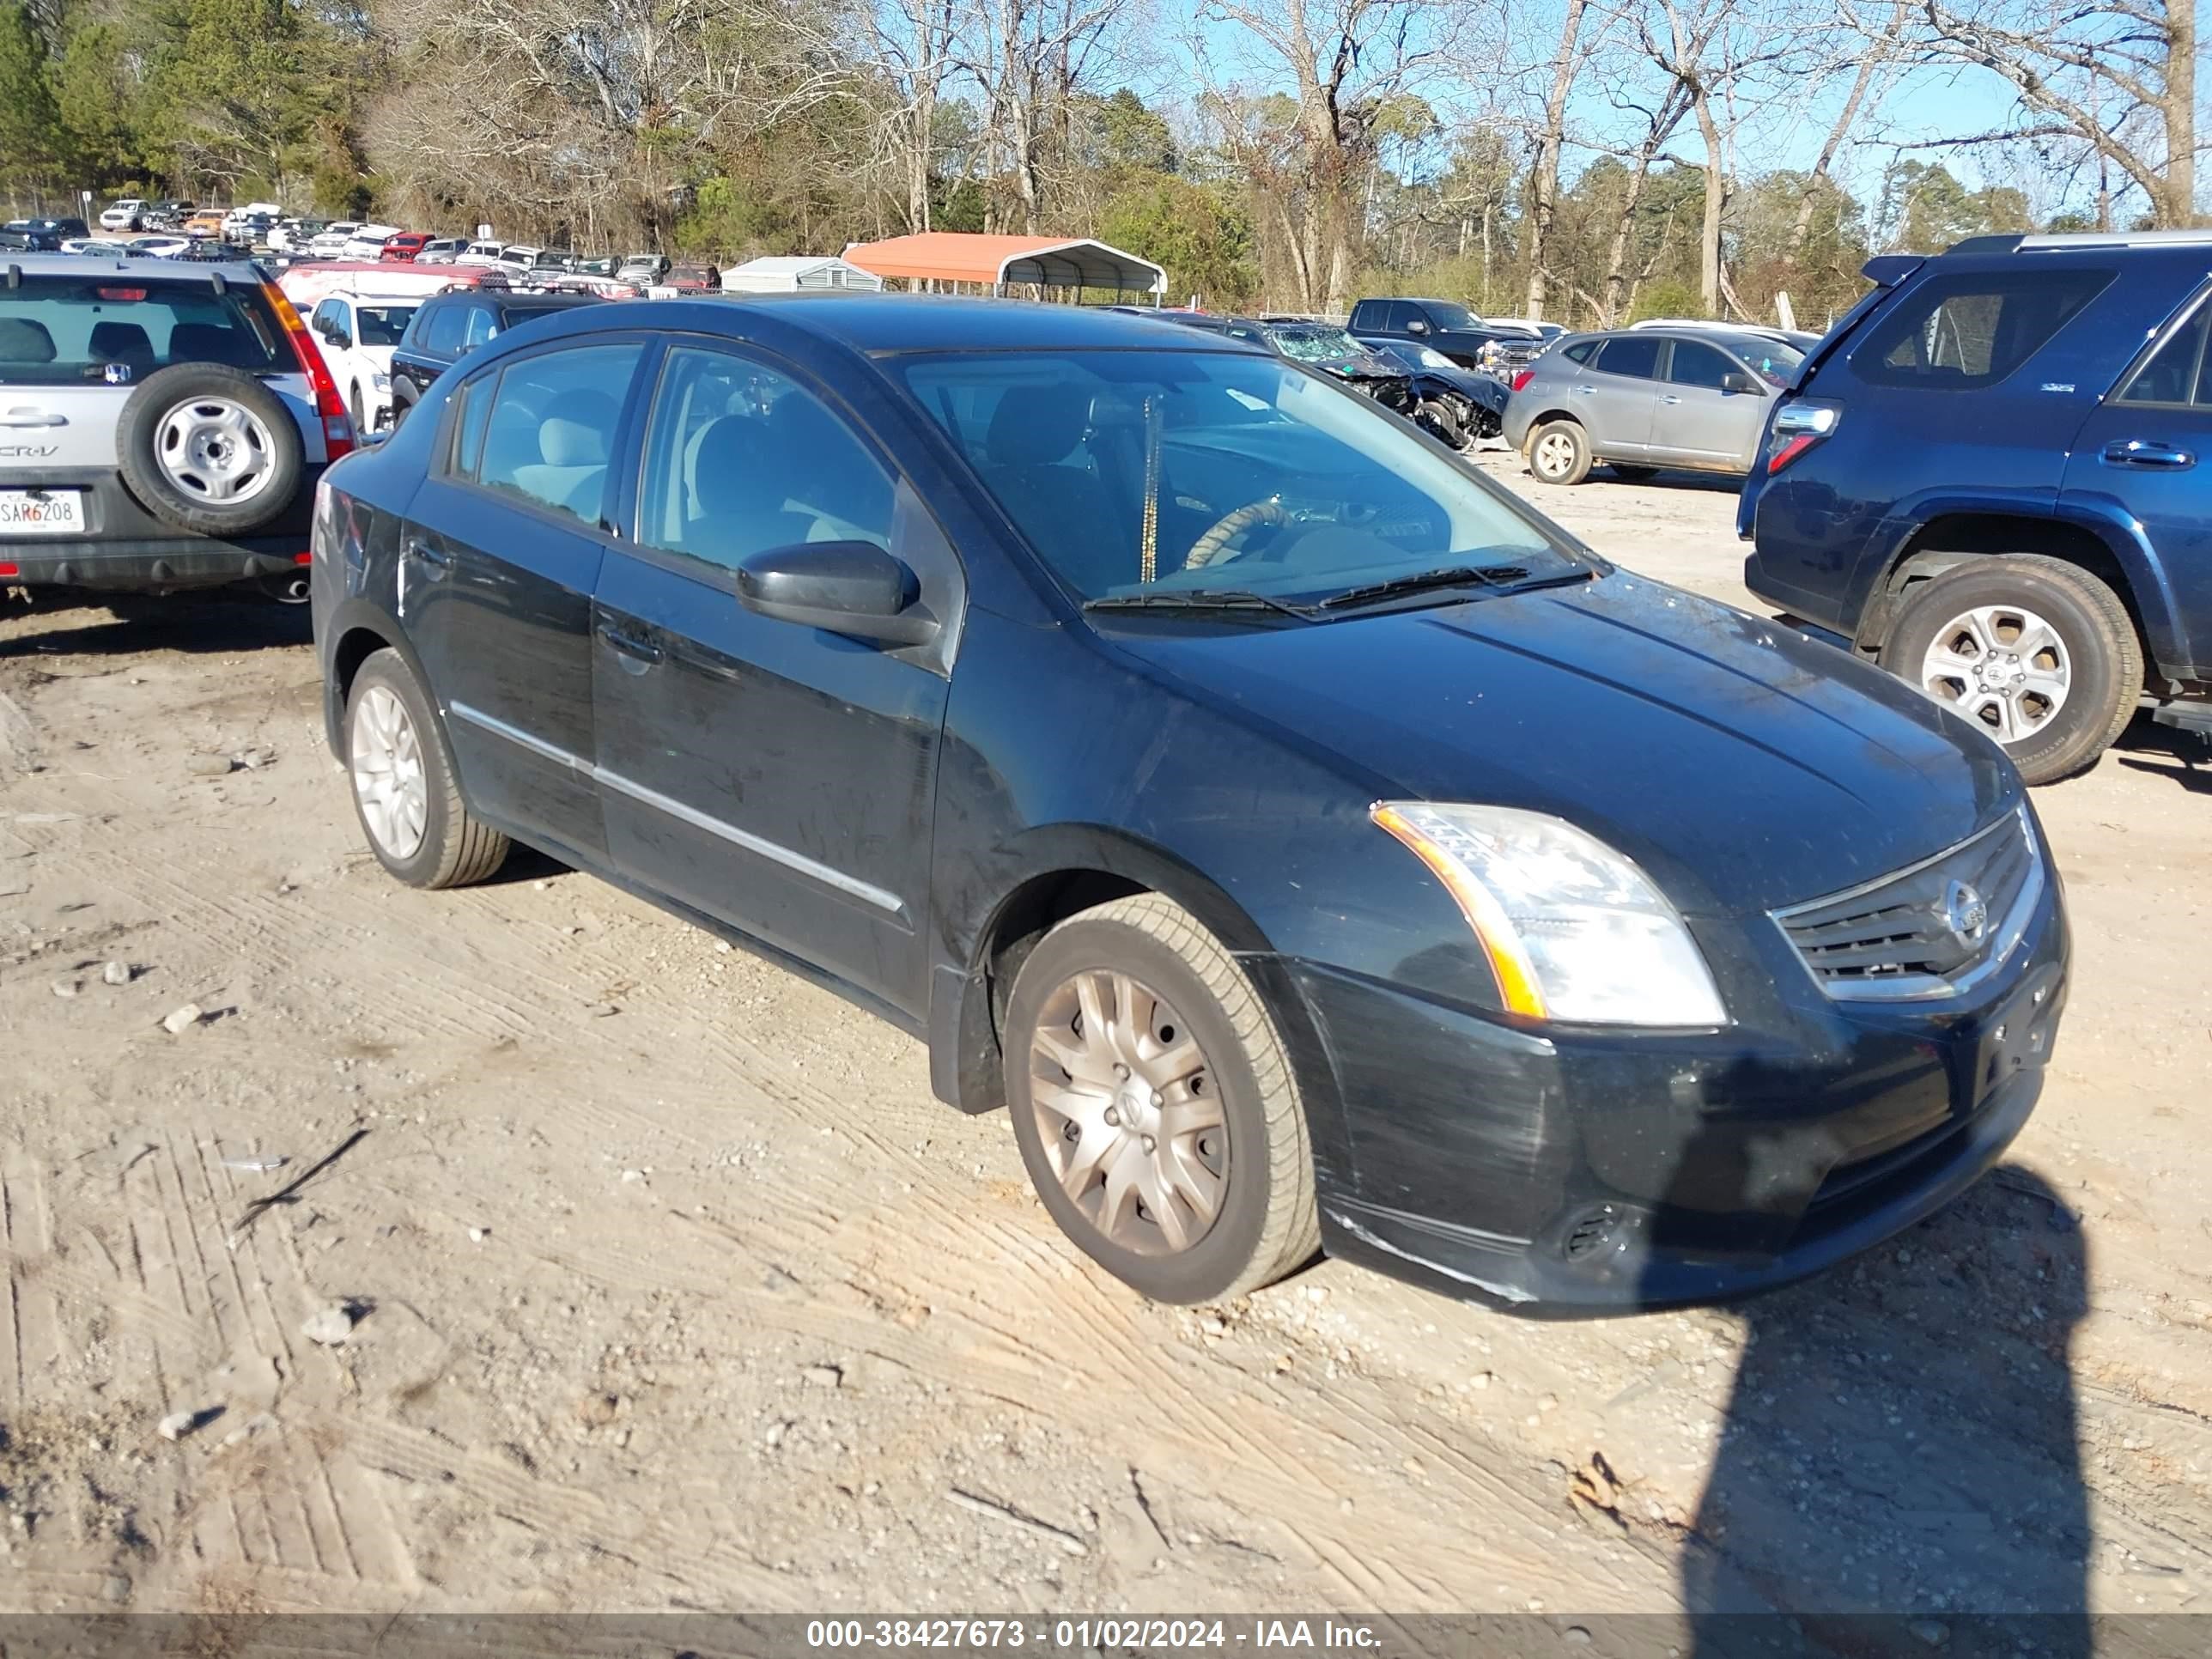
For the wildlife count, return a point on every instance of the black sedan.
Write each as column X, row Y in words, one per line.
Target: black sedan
column 1477, row 400
column 1308, row 844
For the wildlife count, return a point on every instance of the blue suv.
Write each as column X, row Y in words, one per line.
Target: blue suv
column 1987, row 480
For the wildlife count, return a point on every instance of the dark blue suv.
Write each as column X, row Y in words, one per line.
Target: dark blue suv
column 1986, row 477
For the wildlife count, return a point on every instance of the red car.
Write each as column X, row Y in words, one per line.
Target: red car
column 405, row 247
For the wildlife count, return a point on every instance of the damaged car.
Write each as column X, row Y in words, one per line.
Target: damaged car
column 1304, row 844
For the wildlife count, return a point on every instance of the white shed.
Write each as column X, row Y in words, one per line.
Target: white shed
column 782, row 273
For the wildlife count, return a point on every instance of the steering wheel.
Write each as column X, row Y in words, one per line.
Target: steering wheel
column 1207, row 549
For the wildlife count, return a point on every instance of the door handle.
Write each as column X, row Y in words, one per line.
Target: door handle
column 2143, row 452
column 428, row 553
column 1669, row 397
column 26, row 416
column 1586, row 390
column 643, row 653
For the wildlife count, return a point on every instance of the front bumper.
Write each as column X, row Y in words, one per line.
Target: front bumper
column 1565, row 1174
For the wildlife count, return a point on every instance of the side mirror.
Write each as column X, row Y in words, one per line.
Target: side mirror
column 854, row 589
column 1736, row 380
column 1417, row 326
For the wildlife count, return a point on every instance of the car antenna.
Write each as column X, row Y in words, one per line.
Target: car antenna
column 15, row 275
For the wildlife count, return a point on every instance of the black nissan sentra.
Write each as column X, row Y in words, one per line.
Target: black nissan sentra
column 1309, row 845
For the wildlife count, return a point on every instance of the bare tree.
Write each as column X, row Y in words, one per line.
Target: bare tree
column 1551, row 140
column 2093, row 73
column 1030, row 58
column 1347, row 61
column 1875, row 55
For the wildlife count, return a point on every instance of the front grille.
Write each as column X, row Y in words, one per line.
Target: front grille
column 1927, row 931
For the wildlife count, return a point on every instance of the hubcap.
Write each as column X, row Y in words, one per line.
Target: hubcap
column 1555, row 452
column 2002, row 666
column 214, row 450
column 1129, row 1112
column 387, row 773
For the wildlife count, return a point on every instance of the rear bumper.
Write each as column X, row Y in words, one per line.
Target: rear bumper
column 128, row 550
column 1569, row 1175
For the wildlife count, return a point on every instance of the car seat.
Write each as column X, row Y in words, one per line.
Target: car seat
column 1066, row 513
column 744, row 473
column 571, row 471
column 23, row 341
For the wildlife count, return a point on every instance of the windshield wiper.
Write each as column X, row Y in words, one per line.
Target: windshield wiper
column 1197, row 598
column 1461, row 575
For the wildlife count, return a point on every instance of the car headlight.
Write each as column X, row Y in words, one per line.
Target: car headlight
column 1574, row 931
column 383, row 380
column 1432, row 358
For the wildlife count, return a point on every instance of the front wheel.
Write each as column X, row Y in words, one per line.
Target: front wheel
column 404, row 789
column 1154, row 1106
column 1559, row 452
column 2038, row 653
column 1440, row 419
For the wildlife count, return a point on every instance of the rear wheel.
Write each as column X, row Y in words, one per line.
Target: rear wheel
column 1154, row 1106
column 404, row 790
column 1559, row 452
column 2038, row 653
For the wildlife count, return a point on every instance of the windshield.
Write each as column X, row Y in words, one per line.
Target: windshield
column 382, row 326
column 1444, row 313
column 1314, row 345
column 1154, row 472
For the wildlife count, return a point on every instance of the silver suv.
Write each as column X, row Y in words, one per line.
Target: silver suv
column 162, row 427
column 1639, row 399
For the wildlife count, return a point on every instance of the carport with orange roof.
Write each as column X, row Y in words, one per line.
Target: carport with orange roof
column 956, row 260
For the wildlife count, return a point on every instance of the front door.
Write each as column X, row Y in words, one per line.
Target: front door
column 2146, row 455
column 1698, row 421
column 502, row 551
column 777, row 777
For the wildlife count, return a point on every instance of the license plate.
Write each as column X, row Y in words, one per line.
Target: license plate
column 41, row 512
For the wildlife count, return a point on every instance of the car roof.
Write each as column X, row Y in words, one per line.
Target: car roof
column 124, row 265
column 883, row 323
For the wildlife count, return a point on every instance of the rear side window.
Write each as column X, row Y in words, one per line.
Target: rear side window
column 443, row 331
column 552, row 431
column 1959, row 333
column 1636, row 356
column 2175, row 373
column 1579, row 351
column 66, row 331
column 481, row 325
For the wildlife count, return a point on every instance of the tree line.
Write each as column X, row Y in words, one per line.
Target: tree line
column 1584, row 159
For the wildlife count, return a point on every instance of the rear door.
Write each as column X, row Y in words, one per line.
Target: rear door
column 1617, row 393
column 1699, row 421
column 2145, row 455
column 776, row 777
column 497, row 567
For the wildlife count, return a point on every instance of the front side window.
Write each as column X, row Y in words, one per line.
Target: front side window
column 739, row 459
column 1443, row 313
column 1132, row 473
column 1958, row 333
column 551, row 428
column 1698, row 364
column 1635, row 355
column 2175, row 374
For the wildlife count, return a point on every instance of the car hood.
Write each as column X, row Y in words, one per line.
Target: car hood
column 1744, row 765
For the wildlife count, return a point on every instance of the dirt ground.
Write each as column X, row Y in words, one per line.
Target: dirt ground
column 668, row 1284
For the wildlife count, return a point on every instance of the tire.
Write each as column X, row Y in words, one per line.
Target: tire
column 209, row 449
column 2053, row 708
column 1257, row 1171
column 1627, row 474
column 400, row 404
column 360, row 416
column 1559, row 452
column 1439, row 419
column 450, row 848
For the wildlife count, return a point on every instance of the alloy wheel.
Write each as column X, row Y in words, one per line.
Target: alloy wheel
column 2002, row 666
column 1555, row 454
column 1129, row 1113
column 387, row 773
